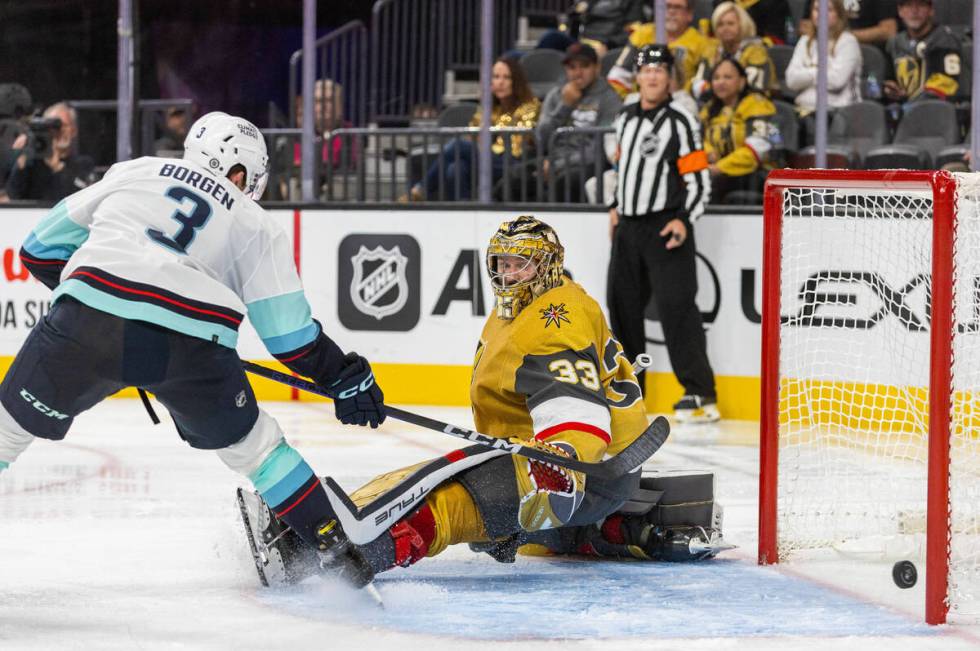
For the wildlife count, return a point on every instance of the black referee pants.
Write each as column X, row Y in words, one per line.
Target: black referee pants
column 639, row 267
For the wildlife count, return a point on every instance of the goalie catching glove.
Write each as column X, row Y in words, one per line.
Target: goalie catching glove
column 358, row 399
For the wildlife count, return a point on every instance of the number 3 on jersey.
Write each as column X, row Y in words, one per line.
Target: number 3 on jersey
column 200, row 212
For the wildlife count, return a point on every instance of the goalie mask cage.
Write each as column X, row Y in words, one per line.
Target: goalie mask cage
column 870, row 420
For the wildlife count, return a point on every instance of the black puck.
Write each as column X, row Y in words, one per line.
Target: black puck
column 904, row 574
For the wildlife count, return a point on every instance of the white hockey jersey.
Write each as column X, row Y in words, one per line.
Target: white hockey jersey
column 162, row 240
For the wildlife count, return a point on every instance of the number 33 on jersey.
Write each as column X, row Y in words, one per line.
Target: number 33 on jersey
column 556, row 370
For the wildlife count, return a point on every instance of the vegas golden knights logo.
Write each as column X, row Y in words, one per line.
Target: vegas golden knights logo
column 908, row 73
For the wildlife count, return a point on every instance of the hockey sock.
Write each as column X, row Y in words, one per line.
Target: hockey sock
column 288, row 485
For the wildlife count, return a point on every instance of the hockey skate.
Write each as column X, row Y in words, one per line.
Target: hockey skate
column 281, row 557
column 680, row 544
column 338, row 556
column 636, row 536
column 671, row 517
column 696, row 409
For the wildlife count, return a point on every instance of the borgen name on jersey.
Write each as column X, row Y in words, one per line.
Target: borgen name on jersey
column 164, row 241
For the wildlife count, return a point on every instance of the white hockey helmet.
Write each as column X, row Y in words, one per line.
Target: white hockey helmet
column 218, row 141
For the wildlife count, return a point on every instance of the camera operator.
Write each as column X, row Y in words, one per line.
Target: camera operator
column 47, row 167
column 15, row 110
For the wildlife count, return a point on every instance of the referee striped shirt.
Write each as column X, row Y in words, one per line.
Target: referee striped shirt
column 662, row 168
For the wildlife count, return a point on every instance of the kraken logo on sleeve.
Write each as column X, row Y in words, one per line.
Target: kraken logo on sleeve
column 379, row 280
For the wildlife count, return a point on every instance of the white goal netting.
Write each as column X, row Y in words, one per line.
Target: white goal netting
column 854, row 364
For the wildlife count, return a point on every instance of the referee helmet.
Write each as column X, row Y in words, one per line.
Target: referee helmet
column 654, row 54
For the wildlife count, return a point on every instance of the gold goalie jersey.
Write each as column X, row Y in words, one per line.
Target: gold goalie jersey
column 556, row 372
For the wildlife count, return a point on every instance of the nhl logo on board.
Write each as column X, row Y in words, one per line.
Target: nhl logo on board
column 379, row 281
column 379, row 286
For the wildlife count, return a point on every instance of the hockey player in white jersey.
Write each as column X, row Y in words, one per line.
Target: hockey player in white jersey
column 153, row 270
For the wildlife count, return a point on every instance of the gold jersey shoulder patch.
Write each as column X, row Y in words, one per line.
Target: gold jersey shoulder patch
column 555, row 314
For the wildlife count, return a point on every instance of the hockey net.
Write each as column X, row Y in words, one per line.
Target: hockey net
column 871, row 374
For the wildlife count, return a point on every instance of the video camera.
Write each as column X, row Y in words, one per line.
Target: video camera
column 41, row 132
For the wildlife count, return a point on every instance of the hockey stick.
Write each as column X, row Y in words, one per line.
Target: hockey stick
column 629, row 458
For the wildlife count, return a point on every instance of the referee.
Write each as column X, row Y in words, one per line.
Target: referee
column 662, row 188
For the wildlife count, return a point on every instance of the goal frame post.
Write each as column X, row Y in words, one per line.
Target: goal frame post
column 942, row 185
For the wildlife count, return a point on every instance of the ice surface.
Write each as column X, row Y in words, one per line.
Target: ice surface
column 122, row 537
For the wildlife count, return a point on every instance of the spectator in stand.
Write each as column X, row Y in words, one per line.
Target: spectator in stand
column 872, row 22
column 605, row 23
column 738, row 131
column 340, row 153
column 16, row 107
column 769, row 17
column 687, row 45
column 47, row 166
column 584, row 100
column 843, row 69
column 513, row 105
column 176, row 123
column 926, row 58
column 735, row 36
column 328, row 115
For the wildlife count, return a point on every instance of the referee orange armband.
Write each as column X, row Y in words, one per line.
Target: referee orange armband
column 693, row 162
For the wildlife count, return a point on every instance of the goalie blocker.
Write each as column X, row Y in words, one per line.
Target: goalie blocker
column 672, row 516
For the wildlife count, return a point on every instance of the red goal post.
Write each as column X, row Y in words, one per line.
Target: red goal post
column 812, row 408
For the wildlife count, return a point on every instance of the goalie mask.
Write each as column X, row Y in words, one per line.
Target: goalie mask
column 524, row 260
column 218, row 141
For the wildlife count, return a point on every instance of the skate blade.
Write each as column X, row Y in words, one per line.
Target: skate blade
column 375, row 595
column 248, row 517
column 710, row 549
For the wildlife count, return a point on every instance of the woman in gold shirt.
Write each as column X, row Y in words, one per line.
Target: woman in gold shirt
column 514, row 105
column 739, row 132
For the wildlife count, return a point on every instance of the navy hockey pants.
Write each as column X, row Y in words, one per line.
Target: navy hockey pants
column 78, row 356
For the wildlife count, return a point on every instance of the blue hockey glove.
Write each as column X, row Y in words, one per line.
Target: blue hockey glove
column 359, row 400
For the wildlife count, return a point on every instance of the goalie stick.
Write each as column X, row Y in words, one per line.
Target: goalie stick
column 629, row 458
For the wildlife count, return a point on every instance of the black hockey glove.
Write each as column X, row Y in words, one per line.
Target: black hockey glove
column 359, row 400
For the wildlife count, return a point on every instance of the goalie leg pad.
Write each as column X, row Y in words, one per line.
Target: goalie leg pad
column 494, row 491
column 687, row 499
column 603, row 497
